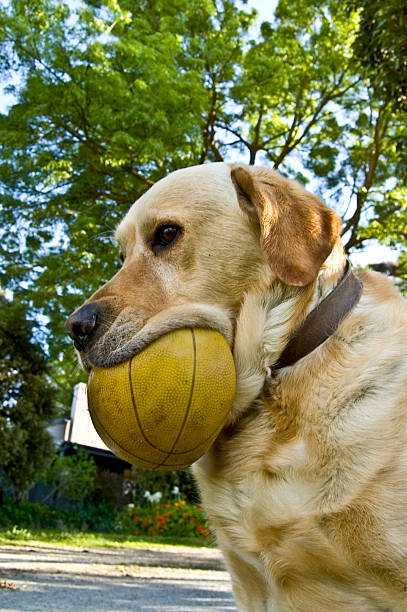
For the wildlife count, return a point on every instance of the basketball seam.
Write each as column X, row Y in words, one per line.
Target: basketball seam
column 170, row 452
column 130, row 456
column 166, row 452
column 133, row 401
column 100, row 427
column 137, row 414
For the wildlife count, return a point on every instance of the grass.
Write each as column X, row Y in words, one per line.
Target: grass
column 87, row 539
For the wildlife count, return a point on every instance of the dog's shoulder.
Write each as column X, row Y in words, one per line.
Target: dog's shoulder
column 377, row 330
column 380, row 289
column 322, row 429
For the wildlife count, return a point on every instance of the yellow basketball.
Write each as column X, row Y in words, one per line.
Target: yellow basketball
column 164, row 407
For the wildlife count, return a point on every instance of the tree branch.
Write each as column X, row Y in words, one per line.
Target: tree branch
column 327, row 96
column 373, row 155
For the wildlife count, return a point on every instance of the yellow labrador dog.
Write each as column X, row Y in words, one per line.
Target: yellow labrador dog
column 306, row 485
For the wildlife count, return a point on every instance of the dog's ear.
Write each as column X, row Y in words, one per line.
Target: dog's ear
column 297, row 230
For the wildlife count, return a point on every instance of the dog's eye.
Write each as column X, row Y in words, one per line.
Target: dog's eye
column 165, row 236
column 121, row 256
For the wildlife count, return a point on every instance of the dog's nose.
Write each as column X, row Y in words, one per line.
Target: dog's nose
column 82, row 324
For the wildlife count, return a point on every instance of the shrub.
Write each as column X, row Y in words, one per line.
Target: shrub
column 27, row 515
column 72, row 477
column 176, row 519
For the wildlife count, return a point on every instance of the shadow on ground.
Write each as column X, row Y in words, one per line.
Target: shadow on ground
column 105, row 580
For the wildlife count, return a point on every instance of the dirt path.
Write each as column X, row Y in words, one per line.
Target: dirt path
column 61, row 579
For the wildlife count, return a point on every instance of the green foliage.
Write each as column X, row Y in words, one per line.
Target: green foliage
column 380, row 56
column 177, row 519
column 381, row 48
column 290, row 79
column 72, row 477
column 27, row 400
column 114, row 94
column 30, row 515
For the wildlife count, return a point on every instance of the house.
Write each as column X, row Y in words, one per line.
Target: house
column 78, row 432
column 114, row 476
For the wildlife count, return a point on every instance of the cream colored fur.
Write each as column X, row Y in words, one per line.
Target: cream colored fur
column 306, row 484
column 307, row 488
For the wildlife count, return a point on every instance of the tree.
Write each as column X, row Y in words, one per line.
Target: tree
column 290, row 79
column 380, row 54
column 381, row 48
column 115, row 94
column 27, row 400
column 71, row 477
column 321, row 115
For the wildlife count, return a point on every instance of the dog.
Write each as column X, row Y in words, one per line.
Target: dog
column 306, row 484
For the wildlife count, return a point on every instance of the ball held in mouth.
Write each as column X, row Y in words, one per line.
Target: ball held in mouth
column 164, row 407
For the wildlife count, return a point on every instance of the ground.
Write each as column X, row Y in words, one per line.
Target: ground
column 66, row 579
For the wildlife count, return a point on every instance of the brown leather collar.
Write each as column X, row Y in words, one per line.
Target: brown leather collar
column 323, row 321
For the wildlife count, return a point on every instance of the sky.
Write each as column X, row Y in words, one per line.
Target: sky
column 265, row 8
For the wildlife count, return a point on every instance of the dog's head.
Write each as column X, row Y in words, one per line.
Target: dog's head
column 192, row 247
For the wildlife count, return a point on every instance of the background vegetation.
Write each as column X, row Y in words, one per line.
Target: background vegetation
column 111, row 95
column 27, row 401
column 169, row 519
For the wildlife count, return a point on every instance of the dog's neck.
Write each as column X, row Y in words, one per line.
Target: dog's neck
column 266, row 322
